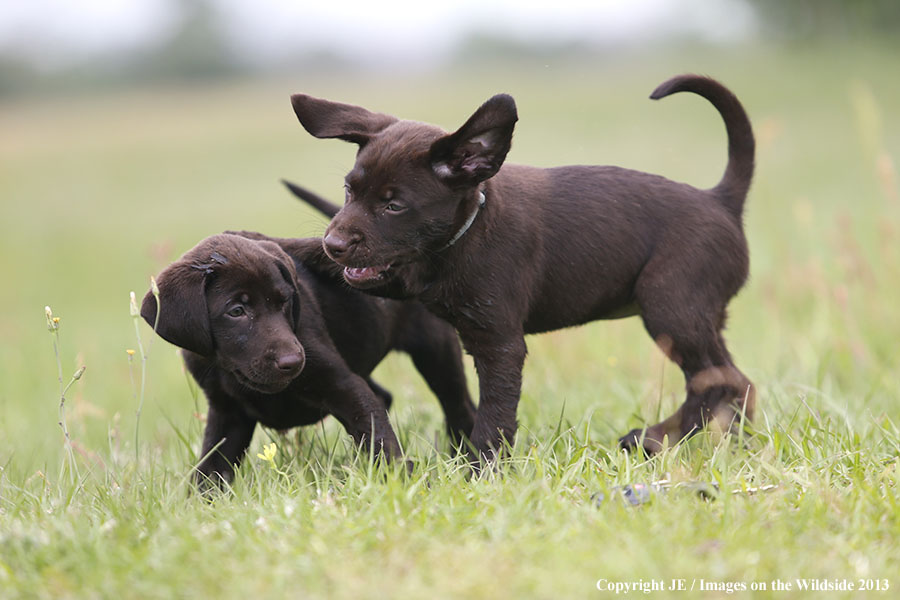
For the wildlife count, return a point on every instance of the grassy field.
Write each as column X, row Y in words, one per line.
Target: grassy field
column 100, row 192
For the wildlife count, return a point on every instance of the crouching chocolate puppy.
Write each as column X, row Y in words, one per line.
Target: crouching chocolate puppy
column 271, row 342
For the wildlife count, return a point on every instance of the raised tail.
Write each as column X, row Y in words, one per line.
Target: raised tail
column 735, row 183
column 316, row 201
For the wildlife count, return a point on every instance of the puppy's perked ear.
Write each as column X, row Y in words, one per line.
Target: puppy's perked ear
column 288, row 271
column 183, row 316
column 326, row 119
column 476, row 151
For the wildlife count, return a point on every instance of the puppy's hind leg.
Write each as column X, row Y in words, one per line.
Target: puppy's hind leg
column 716, row 390
column 435, row 351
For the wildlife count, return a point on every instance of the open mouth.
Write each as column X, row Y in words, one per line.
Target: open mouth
column 366, row 276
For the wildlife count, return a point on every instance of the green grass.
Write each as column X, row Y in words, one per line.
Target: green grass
column 98, row 193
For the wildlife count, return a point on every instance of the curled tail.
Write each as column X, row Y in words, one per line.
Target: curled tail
column 316, row 201
column 735, row 183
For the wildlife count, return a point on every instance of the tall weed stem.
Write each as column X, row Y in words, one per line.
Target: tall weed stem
column 53, row 328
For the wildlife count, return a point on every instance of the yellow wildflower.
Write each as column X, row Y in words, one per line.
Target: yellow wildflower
column 268, row 453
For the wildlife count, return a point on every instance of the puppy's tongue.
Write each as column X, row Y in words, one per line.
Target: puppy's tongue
column 364, row 274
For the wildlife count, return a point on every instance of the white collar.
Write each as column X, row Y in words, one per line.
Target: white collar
column 462, row 230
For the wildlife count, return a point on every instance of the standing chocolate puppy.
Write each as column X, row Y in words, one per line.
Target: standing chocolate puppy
column 502, row 252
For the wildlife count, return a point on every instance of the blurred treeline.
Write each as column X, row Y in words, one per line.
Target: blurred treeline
column 199, row 48
column 828, row 20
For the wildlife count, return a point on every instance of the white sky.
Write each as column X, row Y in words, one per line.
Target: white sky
column 57, row 31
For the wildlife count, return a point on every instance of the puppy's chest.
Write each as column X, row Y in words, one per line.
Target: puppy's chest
column 290, row 408
column 465, row 316
column 463, row 309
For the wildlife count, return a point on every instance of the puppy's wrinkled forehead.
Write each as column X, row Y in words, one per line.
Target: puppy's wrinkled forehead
column 237, row 261
column 402, row 146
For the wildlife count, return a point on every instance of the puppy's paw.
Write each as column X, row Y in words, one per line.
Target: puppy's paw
column 641, row 440
column 210, row 486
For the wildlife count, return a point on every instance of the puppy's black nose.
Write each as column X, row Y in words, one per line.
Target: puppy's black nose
column 337, row 245
column 292, row 361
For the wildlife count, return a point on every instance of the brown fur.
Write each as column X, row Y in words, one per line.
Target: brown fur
column 270, row 341
column 551, row 248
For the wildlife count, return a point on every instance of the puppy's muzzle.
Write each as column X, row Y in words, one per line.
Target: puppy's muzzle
column 338, row 246
column 290, row 364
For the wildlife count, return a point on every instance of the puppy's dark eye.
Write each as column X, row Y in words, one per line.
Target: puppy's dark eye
column 237, row 311
column 394, row 207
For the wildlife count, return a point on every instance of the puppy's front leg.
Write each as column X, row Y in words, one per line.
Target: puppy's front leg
column 225, row 441
column 499, row 367
column 362, row 413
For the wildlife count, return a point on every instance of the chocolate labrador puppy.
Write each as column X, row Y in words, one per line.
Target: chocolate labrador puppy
column 501, row 251
column 270, row 341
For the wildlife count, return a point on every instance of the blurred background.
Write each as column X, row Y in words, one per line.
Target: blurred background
column 51, row 45
column 95, row 44
column 131, row 130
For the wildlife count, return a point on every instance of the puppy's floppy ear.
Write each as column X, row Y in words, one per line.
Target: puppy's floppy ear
column 183, row 316
column 288, row 271
column 326, row 119
column 476, row 151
